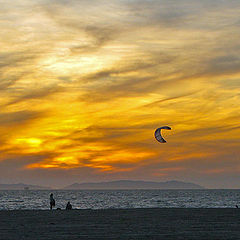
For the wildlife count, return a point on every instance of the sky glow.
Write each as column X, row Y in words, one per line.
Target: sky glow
column 84, row 84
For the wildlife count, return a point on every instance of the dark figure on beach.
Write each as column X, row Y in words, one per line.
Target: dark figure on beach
column 236, row 206
column 52, row 201
column 69, row 206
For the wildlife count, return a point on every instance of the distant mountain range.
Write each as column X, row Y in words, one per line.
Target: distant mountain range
column 21, row 186
column 121, row 184
column 126, row 184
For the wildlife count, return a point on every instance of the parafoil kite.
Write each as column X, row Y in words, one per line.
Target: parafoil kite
column 158, row 135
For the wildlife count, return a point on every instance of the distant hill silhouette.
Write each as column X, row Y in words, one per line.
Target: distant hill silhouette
column 21, row 186
column 126, row 184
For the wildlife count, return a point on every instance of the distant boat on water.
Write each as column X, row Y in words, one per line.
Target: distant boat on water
column 21, row 186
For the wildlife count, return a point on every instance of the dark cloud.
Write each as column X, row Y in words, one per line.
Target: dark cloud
column 156, row 103
column 145, row 61
column 11, row 60
column 182, row 15
column 109, row 136
column 36, row 94
column 100, row 35
column 131, row 87
column 13, row 170
column 226, row 64
column 15, row 59
column 19, row 117
column 116, row 82
column 205, row 131
column 16, row 161
column 99, row 32
column 14, row 66
column 8, row 81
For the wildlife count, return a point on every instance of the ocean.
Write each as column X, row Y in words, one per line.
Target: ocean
column 103, row 199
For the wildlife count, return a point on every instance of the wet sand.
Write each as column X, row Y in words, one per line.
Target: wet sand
column 167, row 223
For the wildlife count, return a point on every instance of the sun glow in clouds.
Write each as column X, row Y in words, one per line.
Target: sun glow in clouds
column 85, row 84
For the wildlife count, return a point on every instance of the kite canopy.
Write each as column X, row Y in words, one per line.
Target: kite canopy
column 158, row 135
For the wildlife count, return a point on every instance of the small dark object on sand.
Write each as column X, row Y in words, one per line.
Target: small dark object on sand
column 69, row 206
column 236, row 206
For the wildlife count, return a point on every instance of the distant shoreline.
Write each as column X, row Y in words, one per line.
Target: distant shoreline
column 101, row 189
column 123, row 189
column 110, row 185
column 119, row 209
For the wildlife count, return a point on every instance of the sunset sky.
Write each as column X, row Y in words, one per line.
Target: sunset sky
column 84, row 84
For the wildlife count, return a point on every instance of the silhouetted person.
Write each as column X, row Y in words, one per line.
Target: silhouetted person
column 69, row 206
column 236, row 206
column 52, row 201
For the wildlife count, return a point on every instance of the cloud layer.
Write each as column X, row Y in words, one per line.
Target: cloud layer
column 84, row 85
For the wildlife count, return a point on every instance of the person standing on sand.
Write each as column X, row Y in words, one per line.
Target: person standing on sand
column 52, row 201
column 69, row 206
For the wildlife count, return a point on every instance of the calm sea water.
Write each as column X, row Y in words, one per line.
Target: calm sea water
column 102, row 199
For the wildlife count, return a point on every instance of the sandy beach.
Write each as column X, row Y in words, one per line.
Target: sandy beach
column 120, row 224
